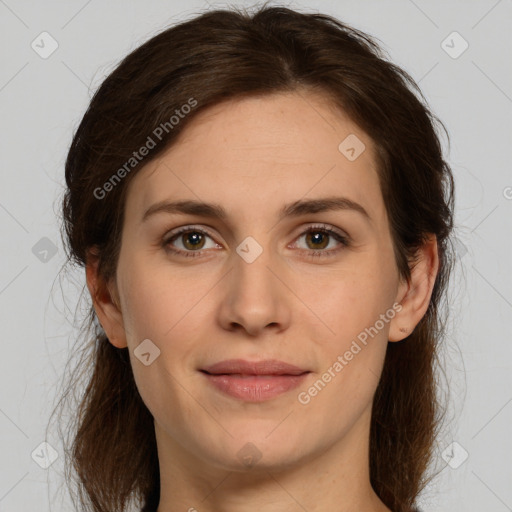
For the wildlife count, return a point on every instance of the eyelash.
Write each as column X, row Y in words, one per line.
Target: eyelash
column 320, row 228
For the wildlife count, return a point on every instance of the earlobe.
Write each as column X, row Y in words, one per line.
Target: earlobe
column 105, row 303
column 414, row 296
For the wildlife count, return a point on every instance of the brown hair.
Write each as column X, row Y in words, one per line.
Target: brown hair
column 225, row 54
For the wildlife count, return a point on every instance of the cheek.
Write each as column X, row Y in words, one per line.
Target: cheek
column 355, row 312
column 154, row 310
column 165, row 309
column 351, row 366
column 345, row 306
column 155, row 299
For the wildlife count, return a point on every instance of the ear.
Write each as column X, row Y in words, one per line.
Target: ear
column 414, row 296
column 105, row 301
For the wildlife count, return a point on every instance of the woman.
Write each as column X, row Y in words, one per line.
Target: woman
column 263, row 211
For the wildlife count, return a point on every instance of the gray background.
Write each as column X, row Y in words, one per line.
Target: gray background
column 42, row 101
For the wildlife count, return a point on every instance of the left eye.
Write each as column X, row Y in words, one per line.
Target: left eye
column 321, row 237
column 317, row 238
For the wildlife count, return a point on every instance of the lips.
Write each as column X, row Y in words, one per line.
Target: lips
column 254, row 381
column 242, row 367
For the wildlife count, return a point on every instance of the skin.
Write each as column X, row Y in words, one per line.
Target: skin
column 252, row 156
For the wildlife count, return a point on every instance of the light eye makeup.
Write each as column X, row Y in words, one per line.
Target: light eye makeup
column 316, row 234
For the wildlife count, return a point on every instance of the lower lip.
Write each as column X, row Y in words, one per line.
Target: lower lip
column 255, row 388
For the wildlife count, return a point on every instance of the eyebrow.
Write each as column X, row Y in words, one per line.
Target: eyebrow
column 295, row 209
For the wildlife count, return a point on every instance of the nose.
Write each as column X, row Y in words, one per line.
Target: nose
column 255, row 297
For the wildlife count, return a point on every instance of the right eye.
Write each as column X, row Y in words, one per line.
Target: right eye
column 192, row 240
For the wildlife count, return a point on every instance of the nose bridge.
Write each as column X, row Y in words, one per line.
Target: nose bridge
column 252, row 276
column 255, row 297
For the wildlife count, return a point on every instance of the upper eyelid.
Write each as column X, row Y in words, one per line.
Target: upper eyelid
column 169, row 235
column 192, row 227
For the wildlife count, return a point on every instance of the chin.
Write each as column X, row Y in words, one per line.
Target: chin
column 253, row 449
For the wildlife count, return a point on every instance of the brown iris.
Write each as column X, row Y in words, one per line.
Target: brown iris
column 314, row 235
column 196, row 240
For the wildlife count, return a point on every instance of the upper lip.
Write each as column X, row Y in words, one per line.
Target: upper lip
column 243, row 367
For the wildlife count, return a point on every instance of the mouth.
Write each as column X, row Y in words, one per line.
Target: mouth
column 254, row 381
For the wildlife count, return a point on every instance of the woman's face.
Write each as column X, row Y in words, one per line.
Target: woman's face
column 255, row 285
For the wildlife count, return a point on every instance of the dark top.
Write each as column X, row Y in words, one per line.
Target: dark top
column 148, row 508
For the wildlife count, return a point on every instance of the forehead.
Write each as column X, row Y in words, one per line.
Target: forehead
column 254, row 154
